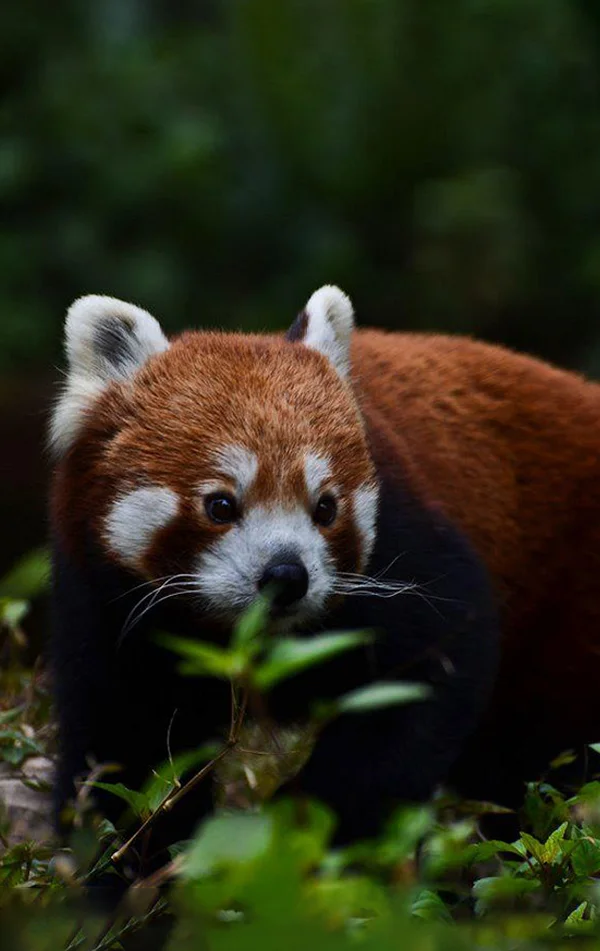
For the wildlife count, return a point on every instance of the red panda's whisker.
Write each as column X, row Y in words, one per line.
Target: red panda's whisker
column 384, row 571
column 366, row 581
column 166, row 581
column 384, row 590
column 151, row 582
column 136, row 620
column 367, row 588
column 373, row 587
column 151, row 596
column 382, row 595
column 154, row 604
column 378, row 576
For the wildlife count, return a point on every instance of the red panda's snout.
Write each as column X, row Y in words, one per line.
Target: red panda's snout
column 281, row 524
column 276, row 548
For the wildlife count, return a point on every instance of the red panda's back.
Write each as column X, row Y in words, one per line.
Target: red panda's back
column 509, row 447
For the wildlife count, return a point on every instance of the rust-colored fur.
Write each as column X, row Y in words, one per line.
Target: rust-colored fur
column 509, row 447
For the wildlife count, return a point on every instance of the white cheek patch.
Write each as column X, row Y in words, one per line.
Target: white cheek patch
column 364, row 504
column 134, row 520
column 317, row 469
column 230, row 569
column 239, row 464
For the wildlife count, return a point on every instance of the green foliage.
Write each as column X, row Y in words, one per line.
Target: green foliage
column 289, row 656
column 379, row 695
column 439, row 160
column 28, row 579
column 268, row 878
column 165, row 780
column 23, row 706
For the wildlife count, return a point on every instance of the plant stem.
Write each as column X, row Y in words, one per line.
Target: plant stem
column 171, row 799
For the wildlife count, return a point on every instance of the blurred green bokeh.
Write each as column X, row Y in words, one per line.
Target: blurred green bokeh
column 217, row 161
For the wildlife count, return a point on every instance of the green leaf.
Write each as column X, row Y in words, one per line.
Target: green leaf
column 544, row 807
column 289, row 655
column 483, row 851
column 563, row 759
column 535, row 848
column 16, row 746
column 137, row 801
column 166, row 777
column 7, row 716
column 202, row 658
column 496, row 890
column 379, row 695
column 585, row 857
column 429, row 906
column 12, row 612
column 251, row 626
column 29, row 577
column 408, row 826
column 587, row 795
column 227, row 841
column 306, row 829
column 577, row 923
column 553, row 846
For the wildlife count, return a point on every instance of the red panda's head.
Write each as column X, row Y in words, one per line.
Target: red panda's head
column 231, row 460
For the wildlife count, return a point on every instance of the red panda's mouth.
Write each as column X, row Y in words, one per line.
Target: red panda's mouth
column 280, row 611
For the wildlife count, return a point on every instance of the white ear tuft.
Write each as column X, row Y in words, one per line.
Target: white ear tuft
column 329, row 321
column 109, row 339
column 105, row 339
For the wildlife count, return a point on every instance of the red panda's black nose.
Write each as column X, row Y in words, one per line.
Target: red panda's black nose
column 287, row 579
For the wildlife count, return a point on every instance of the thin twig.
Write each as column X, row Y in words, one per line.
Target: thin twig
column 171, row 799
column 175, row 776
column 134, row 924
column 162, row 875
column 193, row 782
column 244, row 749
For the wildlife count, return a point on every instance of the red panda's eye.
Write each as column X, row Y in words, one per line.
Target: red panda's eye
column 221, row 508
column 325, row 511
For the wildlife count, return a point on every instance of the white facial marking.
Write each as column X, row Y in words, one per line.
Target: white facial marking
column 317, row 469
column 135, row 518
column 365, row 515
column 237, row 463
column 329, row 327
column 70, row 411
column 230, row 569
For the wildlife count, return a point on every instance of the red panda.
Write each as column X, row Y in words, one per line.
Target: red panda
column 443, row 492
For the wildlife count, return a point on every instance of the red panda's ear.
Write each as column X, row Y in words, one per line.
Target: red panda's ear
column 326, row 325
column 105, row 339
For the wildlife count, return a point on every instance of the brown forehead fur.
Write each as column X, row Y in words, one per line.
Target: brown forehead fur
column 277, row 399
column 211, row 390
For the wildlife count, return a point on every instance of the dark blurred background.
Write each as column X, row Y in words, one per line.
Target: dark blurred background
column 217, row 161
